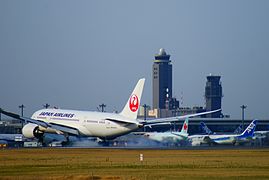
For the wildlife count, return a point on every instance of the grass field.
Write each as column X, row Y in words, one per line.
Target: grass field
column 61, row 163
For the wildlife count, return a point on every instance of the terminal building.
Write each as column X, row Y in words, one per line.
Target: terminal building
column 222, row 125
column 165, row 105
column 10, row 126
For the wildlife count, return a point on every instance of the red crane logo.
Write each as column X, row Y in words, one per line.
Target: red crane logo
column 133, row 103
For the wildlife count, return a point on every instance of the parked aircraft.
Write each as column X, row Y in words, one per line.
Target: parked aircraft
column 200, row 139
column 257, row 134
column 105, row 126
column 224, row 139
column 173, row 137
column 206, row 130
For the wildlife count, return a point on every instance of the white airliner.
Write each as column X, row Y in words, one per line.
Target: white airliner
column 226, row 139
column 105, row 126
column 173, row 137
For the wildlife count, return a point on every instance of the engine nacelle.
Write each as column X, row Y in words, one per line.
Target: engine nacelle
column 31, row 130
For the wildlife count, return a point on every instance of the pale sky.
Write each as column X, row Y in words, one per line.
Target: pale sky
column 79, row 54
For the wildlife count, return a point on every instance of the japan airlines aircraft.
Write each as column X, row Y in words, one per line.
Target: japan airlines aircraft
column 105, row 126
column 170, row 137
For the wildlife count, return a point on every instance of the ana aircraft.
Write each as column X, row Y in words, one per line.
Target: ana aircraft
column 173, row 137
column 105, row 126
column 206, row 130
column 225, row 139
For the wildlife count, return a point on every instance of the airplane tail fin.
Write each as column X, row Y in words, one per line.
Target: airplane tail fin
column 185, row 126
column 131, row 108
column 205, row 129
column 239, row 129
column 249, row 131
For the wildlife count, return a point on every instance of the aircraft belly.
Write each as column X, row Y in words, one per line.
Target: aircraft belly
column 112, row 131
column 226, row 141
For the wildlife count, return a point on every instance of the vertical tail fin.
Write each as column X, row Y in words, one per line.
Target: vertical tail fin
column 131, row 108
column 249, row 131
column 185, row 126
column 239, row 129
column 205, row 129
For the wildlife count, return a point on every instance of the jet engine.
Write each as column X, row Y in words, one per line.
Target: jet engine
column 31, row 130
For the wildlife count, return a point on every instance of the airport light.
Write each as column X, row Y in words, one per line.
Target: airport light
column 243, row 107
column 46, row 105
column 102, row 106
column 145, row 111
column 22, row 107
column 145, row 114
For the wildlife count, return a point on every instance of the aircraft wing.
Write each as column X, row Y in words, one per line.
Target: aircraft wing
column 180, row 135
column 58, row 127
column 24, row 119
column 177, row 118
column 157, row 124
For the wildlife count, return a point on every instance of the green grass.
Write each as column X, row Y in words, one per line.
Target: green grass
column 125, row 164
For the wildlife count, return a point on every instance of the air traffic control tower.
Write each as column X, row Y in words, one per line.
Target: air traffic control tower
column 162, row 79
column 213, row 95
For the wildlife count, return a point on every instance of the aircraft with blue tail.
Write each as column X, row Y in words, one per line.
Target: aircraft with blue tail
column 244, row 137
column 105, row 126
column 206, row 130
column 224, row 139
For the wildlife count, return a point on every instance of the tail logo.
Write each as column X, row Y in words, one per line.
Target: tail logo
column 133, row 103
column 249, row 129
column 185, row 126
